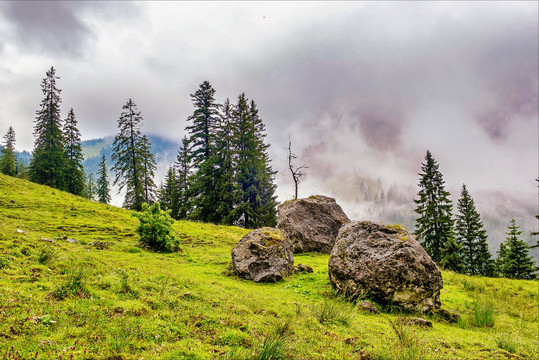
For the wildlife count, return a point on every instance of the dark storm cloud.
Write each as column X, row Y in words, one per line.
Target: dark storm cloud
column 54, row 27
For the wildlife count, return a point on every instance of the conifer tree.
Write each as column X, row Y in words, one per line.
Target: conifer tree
column 184, row 172
column 451, row 259
column 254, row 175
column 168, row 193
column 89, row 190
column 434, row 227
column 8, row 160
column 224, row 172
column 103, row 189
column 148, row 159
column 201, row 132
column 74, row 176
column 472, row 237
column 129, row 157
column 514, row 260
column 48, row 165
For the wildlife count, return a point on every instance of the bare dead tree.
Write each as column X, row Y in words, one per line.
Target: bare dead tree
column 296, row 171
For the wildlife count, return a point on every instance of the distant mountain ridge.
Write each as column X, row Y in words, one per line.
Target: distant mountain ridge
column 93, row 150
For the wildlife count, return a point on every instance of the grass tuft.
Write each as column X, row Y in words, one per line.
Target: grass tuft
column 73, row 285
column 483, row 314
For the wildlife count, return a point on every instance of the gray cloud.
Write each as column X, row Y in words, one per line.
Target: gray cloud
column 56, row 27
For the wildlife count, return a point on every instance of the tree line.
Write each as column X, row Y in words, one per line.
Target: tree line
column 222, row 175
column 460, row 243
column 223, row 172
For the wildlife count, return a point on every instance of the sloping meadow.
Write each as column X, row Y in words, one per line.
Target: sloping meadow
column 74, row 284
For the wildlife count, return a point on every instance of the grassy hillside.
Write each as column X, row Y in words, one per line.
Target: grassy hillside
column 77, row 301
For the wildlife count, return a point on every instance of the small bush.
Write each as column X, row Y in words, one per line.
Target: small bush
column 155, row 228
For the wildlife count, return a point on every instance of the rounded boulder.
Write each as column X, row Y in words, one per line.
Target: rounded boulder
column 386, row 264
column 312, row 223
column 263, row 255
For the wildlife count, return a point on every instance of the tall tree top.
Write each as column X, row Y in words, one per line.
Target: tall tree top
column 10, row 139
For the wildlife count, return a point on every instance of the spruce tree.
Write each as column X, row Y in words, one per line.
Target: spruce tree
column 254, row 175
column 168, row 192
column 201, row 133
column 148, row 160
column 74, row 176
column 8, row 160
column 48, row 165
column 434, row 227
column 472, row 237
column 103, row 189
column 183, row 166
column 451, row 259
column 89, row 190
column 224, row 161
column 514, row 260
column 129, row 158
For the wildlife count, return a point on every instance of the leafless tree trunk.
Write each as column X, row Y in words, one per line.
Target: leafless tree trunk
column 296, row 171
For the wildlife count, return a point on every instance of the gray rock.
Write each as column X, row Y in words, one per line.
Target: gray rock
column 312, row 223
column 19, row 231
column 302, row 268
column 263, row 255
column 449, row 316
column 368, row 306
column 71, row 240
column 412, row 321
column 385, row 263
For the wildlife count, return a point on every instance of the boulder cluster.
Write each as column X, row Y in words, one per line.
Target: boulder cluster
column 384, row 263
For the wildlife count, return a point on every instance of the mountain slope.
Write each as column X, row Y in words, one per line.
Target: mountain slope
column 75, row 300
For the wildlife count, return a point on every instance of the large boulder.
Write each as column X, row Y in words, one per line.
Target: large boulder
column 386, row 264
column 263, row 255
column 312, row 224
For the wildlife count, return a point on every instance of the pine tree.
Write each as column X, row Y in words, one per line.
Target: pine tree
column 224, row 161
column 168, row 193
column 148, row 160
column 201, row 132
column 184, row 172
column 254, row 175
column 451, row 259
column 89, row 190
column 514, row 260
column 8, row 160
column 434, row 227
column 103, row 189
column 130, row 158
column 48, row 166
column 472, row 237
column 74, row 177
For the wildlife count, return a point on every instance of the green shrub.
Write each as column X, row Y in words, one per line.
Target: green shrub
column 155, row 228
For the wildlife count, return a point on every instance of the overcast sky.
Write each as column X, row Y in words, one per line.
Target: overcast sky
column 364, row 88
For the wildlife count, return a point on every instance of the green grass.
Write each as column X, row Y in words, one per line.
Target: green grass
column 80, row 302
